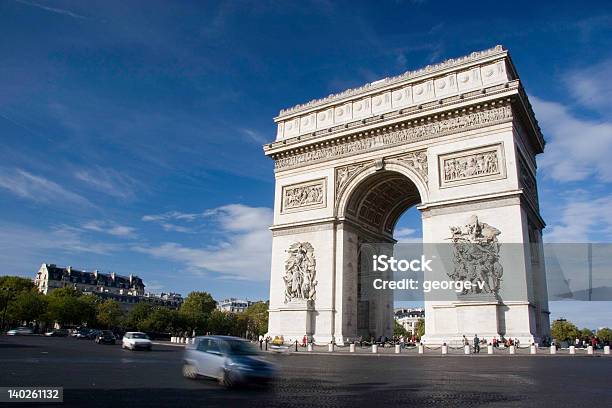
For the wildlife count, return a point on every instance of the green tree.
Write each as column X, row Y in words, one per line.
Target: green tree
column 563, row 330
column 27, row 305
column 420, row 328
column 220, row 322
column 197, row 308
column 604, row 334
column 398, row 329
column 139, row 313
column 68, row 306
column 16, row 283
column 161, row 320
column 585, row 333
column 256, row 317
column 109, row 314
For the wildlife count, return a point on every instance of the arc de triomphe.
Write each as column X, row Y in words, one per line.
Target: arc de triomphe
column 456, row 139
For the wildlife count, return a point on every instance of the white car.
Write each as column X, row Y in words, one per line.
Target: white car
column 136, row 341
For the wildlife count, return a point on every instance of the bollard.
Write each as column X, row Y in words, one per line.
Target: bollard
column 330, row 347
column 572, row 350
column 590, row 350
column 309, row 346
column 606, row 349
column 352, row 348
column 374, row 348
column 397, row 349
column 421, row 349
column 466, row 349
column 489, row 349
column 553, row 349
column 532, row 349
column 296, row 345
column 512, row 349
column 444, row 349
column 266, row 344
column 172, row 339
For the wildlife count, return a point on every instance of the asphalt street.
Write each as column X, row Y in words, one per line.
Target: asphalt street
column 104, row 376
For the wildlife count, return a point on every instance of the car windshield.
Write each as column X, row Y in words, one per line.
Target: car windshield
column 139, row 336
column 107, row 333
column 241, row 348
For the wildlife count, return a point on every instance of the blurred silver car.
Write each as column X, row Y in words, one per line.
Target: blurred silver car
column 230, row 360
column 20, row 331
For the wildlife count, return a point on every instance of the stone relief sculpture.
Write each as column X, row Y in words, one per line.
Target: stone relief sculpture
column 304, row 195
column 300, row 272
column 396, row 137
column 479, row 164
column 344, row 175
column 416, row 161
column 476, row 256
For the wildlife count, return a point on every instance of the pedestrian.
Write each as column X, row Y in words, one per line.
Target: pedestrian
column 304, row 340
column 476, row 344
column 402, row 341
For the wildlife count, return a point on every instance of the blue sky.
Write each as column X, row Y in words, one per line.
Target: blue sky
column 131, row 132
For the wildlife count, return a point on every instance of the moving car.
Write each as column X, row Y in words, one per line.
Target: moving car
column 136, row 341
column 20, row 331
column 83, row 334
column 57, row 333
column 105, row 337
column 230, row 360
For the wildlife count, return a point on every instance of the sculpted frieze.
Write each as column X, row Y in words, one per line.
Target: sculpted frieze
column 394, row 137
column 484, row 163
column 308, row 195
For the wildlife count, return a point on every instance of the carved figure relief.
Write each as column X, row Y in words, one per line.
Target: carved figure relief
column 395, row 137
column 476, row 256
column 300, row 270
column 416, row 161
column 344, row 175
column 480, row 164
column 304, row 195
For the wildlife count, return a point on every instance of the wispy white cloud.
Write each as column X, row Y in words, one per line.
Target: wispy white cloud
column 109, row 227
column 407, row 235
column 255, row 136
column 37, row 188
column 576, row 148
column 108, row 181
column 242, row 253
column 591, row 87
column 583, row 221
column 55, row 10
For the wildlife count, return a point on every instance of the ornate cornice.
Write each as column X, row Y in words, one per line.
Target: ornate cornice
column 407, row 132
column 429, row 69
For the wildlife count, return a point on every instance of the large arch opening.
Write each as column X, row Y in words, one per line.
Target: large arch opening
column 372, row 213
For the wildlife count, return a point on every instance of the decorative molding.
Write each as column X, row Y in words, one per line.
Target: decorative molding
column 386, row 139
column 308, row 195
column 472, row 166
column 450, row 63
column 416, row 161
column 345, row 174
column 476, row 256
column 300, row 271
column 302, row 229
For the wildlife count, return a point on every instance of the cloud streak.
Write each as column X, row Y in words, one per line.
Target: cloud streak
column 243, row 252
column 54, row 10
column 35, row 188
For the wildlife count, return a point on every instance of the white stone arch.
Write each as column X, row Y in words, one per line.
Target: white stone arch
column 347, row 191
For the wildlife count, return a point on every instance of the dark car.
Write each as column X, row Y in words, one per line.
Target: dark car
column 57, row 333
column 230, row 360
column 105, row 337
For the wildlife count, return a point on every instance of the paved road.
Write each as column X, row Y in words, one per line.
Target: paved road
column 103, row 376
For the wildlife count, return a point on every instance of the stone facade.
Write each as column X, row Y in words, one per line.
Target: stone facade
column 458, row 140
